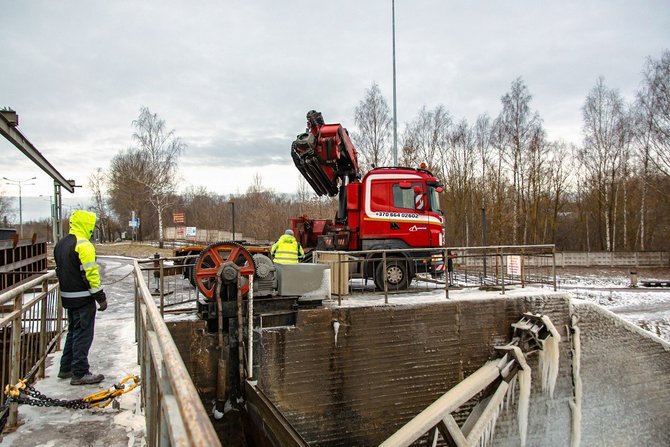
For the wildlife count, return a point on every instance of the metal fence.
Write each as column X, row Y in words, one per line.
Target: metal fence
column 30, row 327
column 449, row 268
column 173, row 410
column 171, row 282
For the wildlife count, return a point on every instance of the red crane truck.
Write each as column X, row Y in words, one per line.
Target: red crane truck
column 390, row 208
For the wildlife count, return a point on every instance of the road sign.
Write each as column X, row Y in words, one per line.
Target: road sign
column 178, row 218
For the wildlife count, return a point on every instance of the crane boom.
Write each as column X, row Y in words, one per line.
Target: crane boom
column 325, row 155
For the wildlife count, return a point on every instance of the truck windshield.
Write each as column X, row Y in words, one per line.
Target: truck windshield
column 434, row 198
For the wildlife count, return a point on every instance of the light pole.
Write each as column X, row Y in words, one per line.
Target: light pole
column 19, row 183
column 52, row 219
column 395, row 118
column 232, row 204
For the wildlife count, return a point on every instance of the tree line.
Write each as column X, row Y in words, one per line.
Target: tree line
column 608, row 193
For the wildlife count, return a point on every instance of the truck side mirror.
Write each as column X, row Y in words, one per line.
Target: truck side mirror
column 417, row 189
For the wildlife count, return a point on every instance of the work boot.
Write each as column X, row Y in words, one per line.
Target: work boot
column 64, row 374
column 87, row 379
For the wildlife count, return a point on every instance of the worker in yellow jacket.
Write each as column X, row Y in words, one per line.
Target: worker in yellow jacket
column 287, row 249
column 80, row 290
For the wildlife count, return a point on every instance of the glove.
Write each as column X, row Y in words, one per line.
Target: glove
column 101, row 298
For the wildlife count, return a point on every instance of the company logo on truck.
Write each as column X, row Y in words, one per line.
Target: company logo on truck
column 414, row 228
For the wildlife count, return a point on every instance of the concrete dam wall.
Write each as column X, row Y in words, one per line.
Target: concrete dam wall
column 386, row 364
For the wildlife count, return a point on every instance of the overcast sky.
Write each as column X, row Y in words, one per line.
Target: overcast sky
column 234, row 79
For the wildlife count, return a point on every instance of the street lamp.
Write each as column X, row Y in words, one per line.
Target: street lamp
column 19, row 183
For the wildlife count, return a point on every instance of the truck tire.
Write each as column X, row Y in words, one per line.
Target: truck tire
column 397, row 274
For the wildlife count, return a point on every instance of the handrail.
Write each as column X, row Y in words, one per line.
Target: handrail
column 8, row 296
column 174, row 413
column 29, row 330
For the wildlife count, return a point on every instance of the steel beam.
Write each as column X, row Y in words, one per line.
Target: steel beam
column 14, row 136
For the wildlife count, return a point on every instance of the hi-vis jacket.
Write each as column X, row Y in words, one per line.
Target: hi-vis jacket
column 286, row 250
column 76, row 268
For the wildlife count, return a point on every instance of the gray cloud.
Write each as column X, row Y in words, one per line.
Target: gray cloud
column 234, row 79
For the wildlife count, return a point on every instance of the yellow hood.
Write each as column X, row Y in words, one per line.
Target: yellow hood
column 82, row 223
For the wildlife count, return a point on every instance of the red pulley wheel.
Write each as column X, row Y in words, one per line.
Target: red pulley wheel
column 213, row 257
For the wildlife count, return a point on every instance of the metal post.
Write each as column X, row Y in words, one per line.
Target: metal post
column 162, row 285
column 386, row 291
column 250, row 329
column 43, row 327
column 395, row 109
column 502, row 270
column 232, row 204
column 446, row 273
column 553, row 265
column 15, row 372
column 484, row 237
column 339, row 278
column 240, row 334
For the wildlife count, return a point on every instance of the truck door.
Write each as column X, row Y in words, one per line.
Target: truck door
column 410, row 205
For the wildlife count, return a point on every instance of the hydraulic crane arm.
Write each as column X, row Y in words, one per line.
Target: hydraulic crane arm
column 325, row 155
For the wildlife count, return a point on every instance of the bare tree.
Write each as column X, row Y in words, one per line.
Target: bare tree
column 96, row 183
column 126, row 192
column 606, row 133
column 159, row 151
column 519, row 138
column 654, row 99
column 373, row 120
column 427, row 137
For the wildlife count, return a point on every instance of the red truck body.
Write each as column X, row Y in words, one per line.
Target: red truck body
column 390, row 208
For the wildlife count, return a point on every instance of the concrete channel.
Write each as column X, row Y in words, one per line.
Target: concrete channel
column 352, row 375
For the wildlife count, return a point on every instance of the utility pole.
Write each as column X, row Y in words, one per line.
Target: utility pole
column 19, row 183
column 232, row 204
column 395, row 109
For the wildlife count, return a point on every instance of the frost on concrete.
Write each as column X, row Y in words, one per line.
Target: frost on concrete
column 576, row 402
column 549, row 357
column 336, row 328
column 524, row 401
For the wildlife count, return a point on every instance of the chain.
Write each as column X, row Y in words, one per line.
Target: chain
column 4, row 414
column 24, row 394
column 37, row 399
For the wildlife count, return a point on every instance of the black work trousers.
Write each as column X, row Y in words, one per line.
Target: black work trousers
column 81, row 324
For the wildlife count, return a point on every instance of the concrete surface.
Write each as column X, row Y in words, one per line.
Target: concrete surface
column 114, row 354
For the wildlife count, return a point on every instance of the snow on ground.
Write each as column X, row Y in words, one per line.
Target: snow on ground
column 114, row 350
column 113, row 354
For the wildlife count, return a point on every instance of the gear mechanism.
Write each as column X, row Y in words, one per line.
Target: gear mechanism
column 213, row 257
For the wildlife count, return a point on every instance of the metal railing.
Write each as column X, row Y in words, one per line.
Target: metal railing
column 445, row 268
column 173, row 410
column 30, row 327
column 171, row 282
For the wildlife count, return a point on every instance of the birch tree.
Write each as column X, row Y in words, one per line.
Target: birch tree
column 518, row 137
column 605, row 135
column 373, row 121
column 97, row 185
column 159, row 151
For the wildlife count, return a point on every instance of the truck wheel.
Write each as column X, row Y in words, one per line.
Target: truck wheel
column 397, row 275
